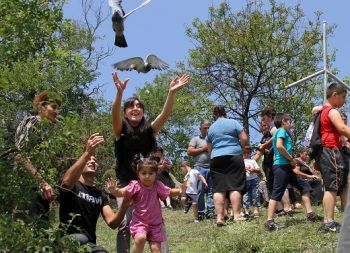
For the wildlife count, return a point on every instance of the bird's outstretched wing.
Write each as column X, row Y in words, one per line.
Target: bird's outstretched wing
column 129, row 64
column 116, row 5
column 138, row 7
column 155, row 63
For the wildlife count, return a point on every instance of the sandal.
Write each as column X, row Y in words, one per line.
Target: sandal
column 240, row 218
column 220, row 223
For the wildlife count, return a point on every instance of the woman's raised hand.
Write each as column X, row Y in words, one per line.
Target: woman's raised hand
column 119, row 84
column 178, row 82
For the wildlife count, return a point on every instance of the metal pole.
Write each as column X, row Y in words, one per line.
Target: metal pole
column 338, row 80
column 305, row 78
column 324, row 60
column 324, row 71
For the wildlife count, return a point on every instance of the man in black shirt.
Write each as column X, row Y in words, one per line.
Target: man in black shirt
column 79, row 196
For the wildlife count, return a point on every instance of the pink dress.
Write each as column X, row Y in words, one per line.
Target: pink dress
column 147, row 214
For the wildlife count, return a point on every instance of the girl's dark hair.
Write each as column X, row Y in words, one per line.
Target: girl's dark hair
column 147, row 162
column 279, row 118
column 219, row 111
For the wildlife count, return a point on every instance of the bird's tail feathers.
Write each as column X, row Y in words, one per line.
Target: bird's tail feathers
column 120, row 41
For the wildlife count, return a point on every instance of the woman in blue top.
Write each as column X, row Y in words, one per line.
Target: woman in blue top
column 226, row 138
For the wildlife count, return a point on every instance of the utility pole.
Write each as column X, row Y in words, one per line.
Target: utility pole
column 324, row 71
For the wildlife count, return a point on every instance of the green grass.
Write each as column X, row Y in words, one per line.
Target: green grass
column 204, row 237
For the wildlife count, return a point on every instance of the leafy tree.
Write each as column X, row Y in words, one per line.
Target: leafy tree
column 42, row 51
column 245, row 59
column 185, row 117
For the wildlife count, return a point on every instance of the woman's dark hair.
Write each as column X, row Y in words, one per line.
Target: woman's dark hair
column 219, row 111
column 147, row 162
column 130, row 101
column 143, row 124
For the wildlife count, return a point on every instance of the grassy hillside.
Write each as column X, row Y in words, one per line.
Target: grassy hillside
column 204, row 237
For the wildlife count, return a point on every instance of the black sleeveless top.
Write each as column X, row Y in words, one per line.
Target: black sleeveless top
column 130, row 145
column 304, row 167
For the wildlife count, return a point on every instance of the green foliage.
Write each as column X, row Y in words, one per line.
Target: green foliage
column 42, row 51
column 245, row 59
column 34, row 238
column 205, row 237
column 189, row 110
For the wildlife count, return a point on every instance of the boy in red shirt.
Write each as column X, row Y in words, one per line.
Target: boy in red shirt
column 331, row 160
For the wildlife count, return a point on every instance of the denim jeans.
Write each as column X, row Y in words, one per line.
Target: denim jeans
column 252, row 196
column 205, row 172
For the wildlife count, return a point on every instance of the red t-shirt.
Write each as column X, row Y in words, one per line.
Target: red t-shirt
column 329, row 134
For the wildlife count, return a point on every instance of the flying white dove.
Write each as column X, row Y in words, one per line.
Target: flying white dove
column 141, row 65
column 118, row 19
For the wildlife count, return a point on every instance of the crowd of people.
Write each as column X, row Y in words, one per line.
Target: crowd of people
column 224, row 173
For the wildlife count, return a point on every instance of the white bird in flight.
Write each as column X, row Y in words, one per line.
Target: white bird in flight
column 118, row 19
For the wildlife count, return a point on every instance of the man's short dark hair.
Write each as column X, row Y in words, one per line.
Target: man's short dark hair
column 280, row 117
column 335, row 87
column 268, row 111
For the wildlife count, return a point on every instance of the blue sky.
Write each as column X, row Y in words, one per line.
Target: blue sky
column 159, row 28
